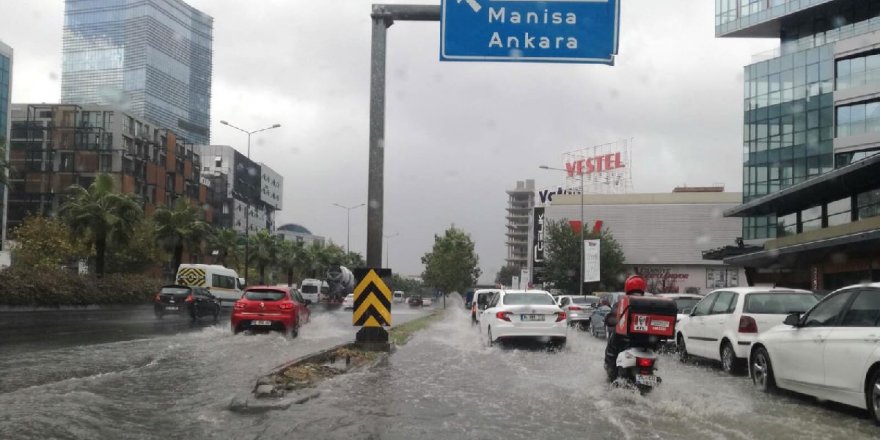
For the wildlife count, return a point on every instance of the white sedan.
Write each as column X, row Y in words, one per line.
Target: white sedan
column 524, row 314
column 832, row 352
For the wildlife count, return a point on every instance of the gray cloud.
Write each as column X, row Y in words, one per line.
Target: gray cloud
column 458, row 134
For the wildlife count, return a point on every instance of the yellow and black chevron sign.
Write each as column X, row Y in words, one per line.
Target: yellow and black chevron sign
column 191, row 276
column 372, row 299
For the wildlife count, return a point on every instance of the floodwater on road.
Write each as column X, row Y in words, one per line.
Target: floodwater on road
column 444, row 384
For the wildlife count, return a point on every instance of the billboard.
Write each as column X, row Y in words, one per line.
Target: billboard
column 537, row 254
column 591, row 260
column 602, row 169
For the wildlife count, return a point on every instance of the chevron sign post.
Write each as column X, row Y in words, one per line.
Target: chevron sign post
column 372, row 305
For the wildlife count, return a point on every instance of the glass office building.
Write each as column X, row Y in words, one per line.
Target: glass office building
column 151, row 57
column 811, row 105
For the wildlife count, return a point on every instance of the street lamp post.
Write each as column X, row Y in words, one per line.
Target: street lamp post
column 247, row 202
column 388, row 247
column 581, row 246
column 348, row 223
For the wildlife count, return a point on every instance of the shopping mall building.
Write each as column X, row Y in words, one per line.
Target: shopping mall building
column 663, row 235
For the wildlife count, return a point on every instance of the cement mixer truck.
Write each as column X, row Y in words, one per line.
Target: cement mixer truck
column 340, row 281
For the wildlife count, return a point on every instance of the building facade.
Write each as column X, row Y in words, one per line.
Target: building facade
column 520, row 201
column 152, row 58
column 253, row 191
column 6, row 58
column 54, row 146
column 811, row 114
column 299, row 234
column 667, row 252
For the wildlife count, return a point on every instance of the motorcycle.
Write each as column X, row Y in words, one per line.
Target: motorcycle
column 636, row 369
column 645, row 323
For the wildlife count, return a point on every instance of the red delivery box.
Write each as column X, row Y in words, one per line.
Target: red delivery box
column 646, row 315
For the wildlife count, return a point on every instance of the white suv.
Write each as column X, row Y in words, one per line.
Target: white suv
column 724, row 324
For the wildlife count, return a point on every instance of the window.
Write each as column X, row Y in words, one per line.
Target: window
column 839, row 212
column 723, row 303
column 264, row 294
column 811, row 218
column 786, row 225
column 106, row 164
column 66, row 163
column 827, row 312
column 857, row 119
column 564, row 302
column 528, row 299
column 223, row 281
column 778, row 303
column 705, row 305
column 218, row 161
column 868, row 204
column 864, row 311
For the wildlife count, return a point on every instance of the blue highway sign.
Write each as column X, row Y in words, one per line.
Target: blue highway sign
column 563, row 31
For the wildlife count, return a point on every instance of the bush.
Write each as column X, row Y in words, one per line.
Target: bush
column 52, row 288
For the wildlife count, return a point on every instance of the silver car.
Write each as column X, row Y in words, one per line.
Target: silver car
column 578, row 309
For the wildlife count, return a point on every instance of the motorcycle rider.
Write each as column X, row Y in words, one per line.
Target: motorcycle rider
column 634, row 285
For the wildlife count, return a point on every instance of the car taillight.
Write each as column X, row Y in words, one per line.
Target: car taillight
column 286, row 306
column 239, row 305
column 644, row 362
column 189, row 298
column 747, row 324
column 576, row 308
column 504, row 316
column 560, row 316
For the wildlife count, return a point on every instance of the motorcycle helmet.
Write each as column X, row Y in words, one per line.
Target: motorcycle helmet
column 635, row 284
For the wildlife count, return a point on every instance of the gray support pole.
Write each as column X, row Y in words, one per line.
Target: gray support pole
column 383, row 17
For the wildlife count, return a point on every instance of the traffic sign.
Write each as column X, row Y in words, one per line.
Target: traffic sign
column 563, row 31
column 372, row 299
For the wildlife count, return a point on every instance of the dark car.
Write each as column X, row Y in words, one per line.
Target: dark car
column 194, row 302
column 415, row 301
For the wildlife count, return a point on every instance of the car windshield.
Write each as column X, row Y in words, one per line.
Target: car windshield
column 308, row 288
column 684, row 305
column 584, row 300
column 264, row 295
column 528, row 299
column 175, row 290
column 779, row 303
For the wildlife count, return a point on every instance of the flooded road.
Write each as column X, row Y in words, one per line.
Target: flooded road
column 444, row 384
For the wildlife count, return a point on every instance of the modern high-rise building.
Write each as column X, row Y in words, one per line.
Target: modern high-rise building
column 520, row 201
column 811, row 130
column 151, row 58
column 5, row 124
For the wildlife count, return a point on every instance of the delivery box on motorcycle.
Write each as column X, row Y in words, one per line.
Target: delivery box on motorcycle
column 646, row 316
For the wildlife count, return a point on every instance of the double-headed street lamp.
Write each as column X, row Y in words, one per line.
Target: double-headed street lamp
column 581, row 270
column 247, row 216
column 388, row 247
column 348, row 223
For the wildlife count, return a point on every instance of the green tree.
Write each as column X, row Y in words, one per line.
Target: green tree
column 227, row 243
column 44, row 243
column 139, row 254
column 505, row 275
column 180, row 228
column 101, row 215
column 452, row 265
column 263, row 251
column 291, row 258
column 407, row 285
column 562, row 248
column 354, row 259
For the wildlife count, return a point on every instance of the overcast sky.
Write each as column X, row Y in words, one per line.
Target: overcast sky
column 457, row 134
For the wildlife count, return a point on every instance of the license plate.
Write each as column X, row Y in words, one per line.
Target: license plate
column 645, row 379
column 532, row 317
column 171, row 308
column 261, row 322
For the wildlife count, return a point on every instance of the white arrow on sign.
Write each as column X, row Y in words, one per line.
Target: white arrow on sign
column 473, row 4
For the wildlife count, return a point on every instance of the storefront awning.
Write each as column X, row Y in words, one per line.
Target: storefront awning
column 851, row 179
column 850, row 245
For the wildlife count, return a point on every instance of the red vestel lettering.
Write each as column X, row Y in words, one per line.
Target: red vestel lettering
column 617, row 163
column 590, row 167
column 580, row 167
column 570, row 168
column 599, row 164
column 608, row 165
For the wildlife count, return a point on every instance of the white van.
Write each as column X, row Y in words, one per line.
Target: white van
column 398, row 296
column 223, row 282
column 310, row 289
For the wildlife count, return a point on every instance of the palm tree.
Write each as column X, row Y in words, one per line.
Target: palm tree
column 180, row 228
column 226, row 242
column 290, row 257
column 264, row 251
column 101, row 215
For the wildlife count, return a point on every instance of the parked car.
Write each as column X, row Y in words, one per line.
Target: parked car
column 481, row 298
column 348, row 302
column 578, row 309
column 427, row 301
column 685, row 302
column 270, row 308
column 723, row 325
column 597, row 322
column 194, row 302
column 524, row 314
column 415, row 301
column 831, row 352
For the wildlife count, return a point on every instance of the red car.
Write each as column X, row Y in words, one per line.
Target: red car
column 270, row 308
